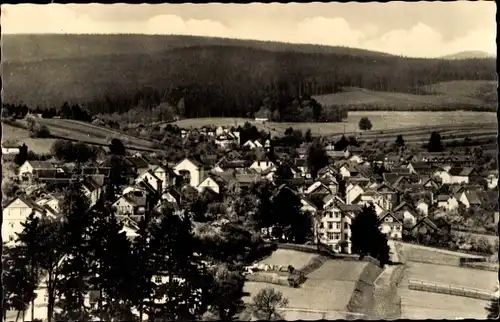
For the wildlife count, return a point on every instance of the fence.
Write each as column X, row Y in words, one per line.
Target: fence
column 419, row 285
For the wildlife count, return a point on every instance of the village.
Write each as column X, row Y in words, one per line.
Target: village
column 422, row 198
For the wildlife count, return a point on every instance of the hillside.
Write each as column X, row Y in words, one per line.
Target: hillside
column 25, row 48
column 444, row 96
column 217, row 77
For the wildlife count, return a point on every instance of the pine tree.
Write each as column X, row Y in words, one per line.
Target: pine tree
column 19, row 283
column 111, row 265
column 142, row 270
column 76, row 267
column 40, row 242
column 173, row 253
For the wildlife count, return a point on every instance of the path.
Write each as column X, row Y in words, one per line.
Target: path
column 386, row 299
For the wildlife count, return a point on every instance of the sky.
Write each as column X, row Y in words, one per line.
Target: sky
column 416, row 29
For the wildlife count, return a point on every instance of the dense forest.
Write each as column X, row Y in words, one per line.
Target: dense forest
column 219, row 80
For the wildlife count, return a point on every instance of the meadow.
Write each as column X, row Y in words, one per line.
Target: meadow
column 39, row 146
column 384, row 124
column 285, row 257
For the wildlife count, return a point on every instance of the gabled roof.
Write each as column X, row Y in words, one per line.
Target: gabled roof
column 443, row 197
column 397, row 216
column 43, row 165
column 390, row 178
column 403, row 205
column 197, row 163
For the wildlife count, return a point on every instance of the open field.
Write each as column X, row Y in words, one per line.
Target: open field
column 420, row 253
column 285, row 257
column 450, row 275
column 77, row 129
column 424, row 305
column 39, row 146
column 427, row 305
column 387, row 122
column 328, row 288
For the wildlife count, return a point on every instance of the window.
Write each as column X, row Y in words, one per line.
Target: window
column 158, row 279
column 330, row 225
column 346, row 237
column 330, row 236
column 346, row 225
column 321, row 226
column 337, row 236
column 337, row 225
column 330, row 215
column 337, row 214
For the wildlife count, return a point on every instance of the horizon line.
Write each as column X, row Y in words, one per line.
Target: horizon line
column 492, row 55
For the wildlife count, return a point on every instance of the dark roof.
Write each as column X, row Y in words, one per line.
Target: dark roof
column 350, row 208
column 138, row 162
column 459, row 171
column 390, row 178
column 442, row 197
column 300, row 162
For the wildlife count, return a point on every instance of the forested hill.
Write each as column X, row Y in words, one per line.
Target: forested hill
column 216, row 77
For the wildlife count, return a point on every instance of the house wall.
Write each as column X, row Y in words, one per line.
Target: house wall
column 24, row 169
column 423, row 208
column 344, row 173
column 10, row 150
column 14, row 215
column 194, row 171
column 353, row 193
column 463, row 199
column 459, row 179
column 331, row 231
column 261, row 165
column 392, row 228
column 123, row 207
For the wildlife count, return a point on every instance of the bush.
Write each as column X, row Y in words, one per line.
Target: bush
column 365, row 124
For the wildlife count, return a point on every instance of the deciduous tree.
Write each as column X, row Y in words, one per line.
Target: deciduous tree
column 266, row 304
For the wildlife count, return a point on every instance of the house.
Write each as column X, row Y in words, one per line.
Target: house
column 9, row 148
column 133, row 202
column 420, row 168
column 209, row 183
column 333, row 227
column 461, row 175
column 15, row 214
column 93, row 188
column 348, row 170
column 137, row 164
column 387, row 197
column 447, row 202
column 261, row 163
column 252, row 145
column 225, row 139
column 476, row 198
column 30, row 168
column 492, row 180
column 391, row 224
column 353, row 191
column 336, row 155
column 191, row 170
column 429, row 183
column 406, row 212
column 422, row 206
column 151, row 179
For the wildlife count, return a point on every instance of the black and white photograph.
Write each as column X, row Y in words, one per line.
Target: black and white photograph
column 245, row 162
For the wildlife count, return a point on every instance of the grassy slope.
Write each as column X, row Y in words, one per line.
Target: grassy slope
column 465, row 93
column 39, row 146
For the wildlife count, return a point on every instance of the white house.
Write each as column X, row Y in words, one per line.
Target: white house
column 261, row 164
column 10, row 148
column 210, row 183
column 15, row 214
column 191, row 170
column 443, row 175
column 460, row 175
column 353, row 191
column 30, row 167
column 492, row 180
column 406, row 212
column 92, row 190
column 447, row 202
column 422, row 207
column 150, row 178
column 391, row 225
